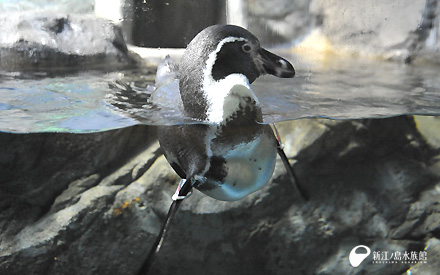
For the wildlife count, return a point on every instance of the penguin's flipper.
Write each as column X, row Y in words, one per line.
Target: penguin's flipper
column 182, row 192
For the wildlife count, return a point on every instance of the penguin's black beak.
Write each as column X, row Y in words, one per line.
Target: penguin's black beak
column 274, row 64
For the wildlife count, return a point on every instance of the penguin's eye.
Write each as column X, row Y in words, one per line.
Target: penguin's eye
column 246, row 48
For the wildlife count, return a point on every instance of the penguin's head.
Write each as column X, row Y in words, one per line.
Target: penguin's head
column 228, row 49
column 218, row 52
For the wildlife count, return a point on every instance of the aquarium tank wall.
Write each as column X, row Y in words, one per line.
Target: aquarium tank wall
column 84, row 185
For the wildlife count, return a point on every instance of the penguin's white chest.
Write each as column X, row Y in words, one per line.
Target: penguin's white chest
column 223, row 97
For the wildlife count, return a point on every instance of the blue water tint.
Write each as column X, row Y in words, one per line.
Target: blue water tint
column 59, row 104
column 4, row 106
column 96, row 120
column 98, row 101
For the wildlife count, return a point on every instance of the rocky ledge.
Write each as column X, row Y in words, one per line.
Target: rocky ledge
column 94, row 203
column 45, row 41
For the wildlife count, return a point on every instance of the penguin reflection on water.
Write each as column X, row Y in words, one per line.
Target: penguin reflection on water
column 231, row 153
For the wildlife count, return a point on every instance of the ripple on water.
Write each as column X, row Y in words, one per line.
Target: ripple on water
column 96, row 101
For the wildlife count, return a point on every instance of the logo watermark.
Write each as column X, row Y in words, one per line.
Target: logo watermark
column 357, row 258
column 397, row 257
column 359, row 253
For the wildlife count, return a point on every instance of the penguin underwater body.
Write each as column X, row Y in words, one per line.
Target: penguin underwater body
column 231, row 153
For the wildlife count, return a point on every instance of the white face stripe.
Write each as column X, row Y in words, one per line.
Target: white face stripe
column 213, row 55
column 216, row 91
column 207, row 71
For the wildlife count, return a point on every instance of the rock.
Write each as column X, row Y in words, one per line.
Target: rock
column 398, row 30
column 405, row 31
column 81, row 6
column 433, row 250
column 39, row 41
column 280, row 21
column 54, row 160
column 427, row 126
column 55, row 201
column 373, row 182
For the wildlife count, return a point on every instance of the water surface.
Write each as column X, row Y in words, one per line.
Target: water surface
column 351, row 89
column 97, row 101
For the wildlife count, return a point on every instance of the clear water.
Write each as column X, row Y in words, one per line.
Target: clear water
column 351, row 89
column 97, row 101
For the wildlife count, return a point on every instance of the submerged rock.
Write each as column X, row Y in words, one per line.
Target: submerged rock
column 373, row 182
column 44, row 41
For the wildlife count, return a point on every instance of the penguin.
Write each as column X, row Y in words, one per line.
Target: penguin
column 230, row 153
